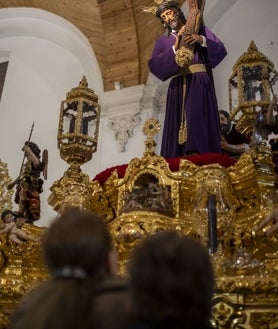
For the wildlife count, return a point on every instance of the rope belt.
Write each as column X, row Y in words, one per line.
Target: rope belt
column 195, row 68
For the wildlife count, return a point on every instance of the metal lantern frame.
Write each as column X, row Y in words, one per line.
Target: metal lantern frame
column 250, row 88
column 79, row 124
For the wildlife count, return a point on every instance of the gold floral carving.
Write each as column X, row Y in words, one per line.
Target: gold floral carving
column 74, row 188
column 150, row 198
column 245, row 263
column 5, row 194
column 21, row 270
column 267, row 320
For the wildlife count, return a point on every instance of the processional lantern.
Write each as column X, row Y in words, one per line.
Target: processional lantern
column 250, row 88
column 77, row 141
column 79, row 124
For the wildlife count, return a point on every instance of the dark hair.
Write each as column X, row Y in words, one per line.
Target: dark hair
column 171, row 281
column 5, row 213
column 75, row 249
column 34, row 147
column 225, row 113
column 170, row 5
column 78, row 239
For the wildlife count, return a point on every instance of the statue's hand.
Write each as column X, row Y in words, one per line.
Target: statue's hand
column 193, row 38
column 10, row 186
column 27, row 149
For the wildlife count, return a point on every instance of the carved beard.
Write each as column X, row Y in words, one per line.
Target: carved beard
column 174, row 24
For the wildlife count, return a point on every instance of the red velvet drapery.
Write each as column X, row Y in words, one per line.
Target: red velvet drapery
column 199, row 159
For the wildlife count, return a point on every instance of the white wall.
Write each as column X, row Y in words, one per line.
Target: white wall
column 48, row 56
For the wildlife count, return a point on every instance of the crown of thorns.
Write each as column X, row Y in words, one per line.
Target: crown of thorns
column 161, row 6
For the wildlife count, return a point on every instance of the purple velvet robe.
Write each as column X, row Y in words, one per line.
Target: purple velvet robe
column 203, row 128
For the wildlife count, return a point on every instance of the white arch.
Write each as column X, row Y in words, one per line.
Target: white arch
column 42, row 24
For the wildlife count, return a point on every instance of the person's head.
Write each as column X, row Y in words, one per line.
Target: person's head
column 7, row 216
column 225, row 122
column 171, row 281
column 76, row 249
column 171, row 16
column 34, row 147
column 78, row 242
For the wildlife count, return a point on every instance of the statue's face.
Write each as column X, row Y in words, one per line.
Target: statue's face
column 171, row 18
column 8, row 218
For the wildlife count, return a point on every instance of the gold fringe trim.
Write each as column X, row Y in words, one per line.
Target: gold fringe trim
column 183, row 133
column 182, row 136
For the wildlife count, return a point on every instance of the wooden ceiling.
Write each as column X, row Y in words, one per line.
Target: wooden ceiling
column 121, row 34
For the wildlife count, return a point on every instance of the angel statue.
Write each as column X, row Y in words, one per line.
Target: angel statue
column 28, row 183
